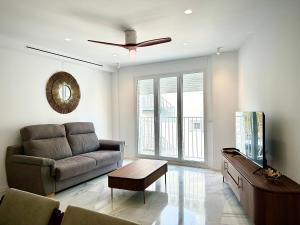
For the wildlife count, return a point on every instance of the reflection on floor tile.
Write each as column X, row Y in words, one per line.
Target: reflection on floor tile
column 193, row 196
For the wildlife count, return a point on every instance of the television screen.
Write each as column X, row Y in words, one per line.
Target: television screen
column 250, row 136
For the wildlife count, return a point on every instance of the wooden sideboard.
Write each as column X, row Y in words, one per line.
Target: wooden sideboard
column 264, row 202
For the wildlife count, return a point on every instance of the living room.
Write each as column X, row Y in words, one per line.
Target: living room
column 205, row 61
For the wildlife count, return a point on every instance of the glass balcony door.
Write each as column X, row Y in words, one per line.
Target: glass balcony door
column 168, row 135
column 192, row 117
column 170, row 119
column 145, row 112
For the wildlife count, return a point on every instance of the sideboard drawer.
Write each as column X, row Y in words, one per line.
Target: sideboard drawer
column 233, row 178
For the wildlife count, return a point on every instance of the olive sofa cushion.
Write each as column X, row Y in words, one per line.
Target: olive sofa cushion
column 23, row 208
column 79, row 216
column 82, row 137
column 46, row 141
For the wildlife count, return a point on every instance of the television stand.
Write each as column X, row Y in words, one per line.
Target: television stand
column 258, row 170
column 264, row 202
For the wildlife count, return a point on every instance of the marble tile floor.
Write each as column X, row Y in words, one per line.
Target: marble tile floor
column 193, row 196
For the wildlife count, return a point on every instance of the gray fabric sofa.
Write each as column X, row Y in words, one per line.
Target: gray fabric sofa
column 54, row 157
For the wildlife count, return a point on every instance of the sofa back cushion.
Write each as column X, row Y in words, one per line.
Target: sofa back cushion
column 23, row 208
column 82, row 137
column 47, row 141
column 79, row 216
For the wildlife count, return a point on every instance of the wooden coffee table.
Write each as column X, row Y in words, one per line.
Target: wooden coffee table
column 138, row 175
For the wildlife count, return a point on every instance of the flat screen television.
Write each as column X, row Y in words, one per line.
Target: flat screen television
column 250, row 136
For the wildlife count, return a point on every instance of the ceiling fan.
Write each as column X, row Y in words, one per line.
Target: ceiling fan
column 131, row 44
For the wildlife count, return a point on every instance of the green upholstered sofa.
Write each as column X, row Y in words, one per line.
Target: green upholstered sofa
column 23, row 208
column 54, row 157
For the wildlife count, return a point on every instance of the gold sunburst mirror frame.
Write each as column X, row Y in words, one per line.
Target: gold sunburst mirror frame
column 63, row 92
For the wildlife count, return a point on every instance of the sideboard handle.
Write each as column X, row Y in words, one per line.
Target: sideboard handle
column 225, row 165
column 240, row 183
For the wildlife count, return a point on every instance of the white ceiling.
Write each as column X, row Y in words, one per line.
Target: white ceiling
column 214, row 23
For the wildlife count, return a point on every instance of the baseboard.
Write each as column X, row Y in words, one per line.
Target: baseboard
column 130, row 158
column 178, row 163
column 189, row 164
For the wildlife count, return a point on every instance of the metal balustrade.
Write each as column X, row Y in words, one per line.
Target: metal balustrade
column 193, row 137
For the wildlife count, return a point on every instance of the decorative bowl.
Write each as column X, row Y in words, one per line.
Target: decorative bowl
column 272, row 175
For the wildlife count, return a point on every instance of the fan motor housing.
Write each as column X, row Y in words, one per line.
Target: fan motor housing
column 130, row 37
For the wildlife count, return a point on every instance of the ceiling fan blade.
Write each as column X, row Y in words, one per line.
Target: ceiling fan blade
column 154, row 42
column 107, row 43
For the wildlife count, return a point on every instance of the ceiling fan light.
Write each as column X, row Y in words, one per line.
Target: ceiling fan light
column 132, row 53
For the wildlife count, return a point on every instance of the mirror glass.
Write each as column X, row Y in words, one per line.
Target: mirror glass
column 64, row 92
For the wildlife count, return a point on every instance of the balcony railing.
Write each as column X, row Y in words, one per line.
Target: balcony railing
column 192, row 137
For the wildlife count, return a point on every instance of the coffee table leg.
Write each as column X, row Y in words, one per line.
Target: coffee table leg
column 144, row 196
column 111, row 193
column 166, row 181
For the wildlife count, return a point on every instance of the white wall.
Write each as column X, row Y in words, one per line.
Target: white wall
column 221, row 95
column 23, row 78
column 270, row 82
column 225, row 102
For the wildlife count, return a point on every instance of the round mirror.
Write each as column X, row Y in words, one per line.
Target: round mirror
column 64, row 92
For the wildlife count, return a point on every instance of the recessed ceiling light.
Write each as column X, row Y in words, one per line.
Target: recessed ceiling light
column 188, row 11
column 185, row 43
column 114, row 55
column 68, row 39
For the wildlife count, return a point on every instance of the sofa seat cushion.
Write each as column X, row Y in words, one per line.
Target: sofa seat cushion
column 104, row 158
column 82, row 137
column 73, row 166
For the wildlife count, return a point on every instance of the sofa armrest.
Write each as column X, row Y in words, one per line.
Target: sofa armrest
column 28, row 173
column 31, row 160
column 111, row 145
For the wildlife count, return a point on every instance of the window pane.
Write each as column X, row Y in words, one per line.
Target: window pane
column 192, row 120
column 146, row 117
column 168, row 117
